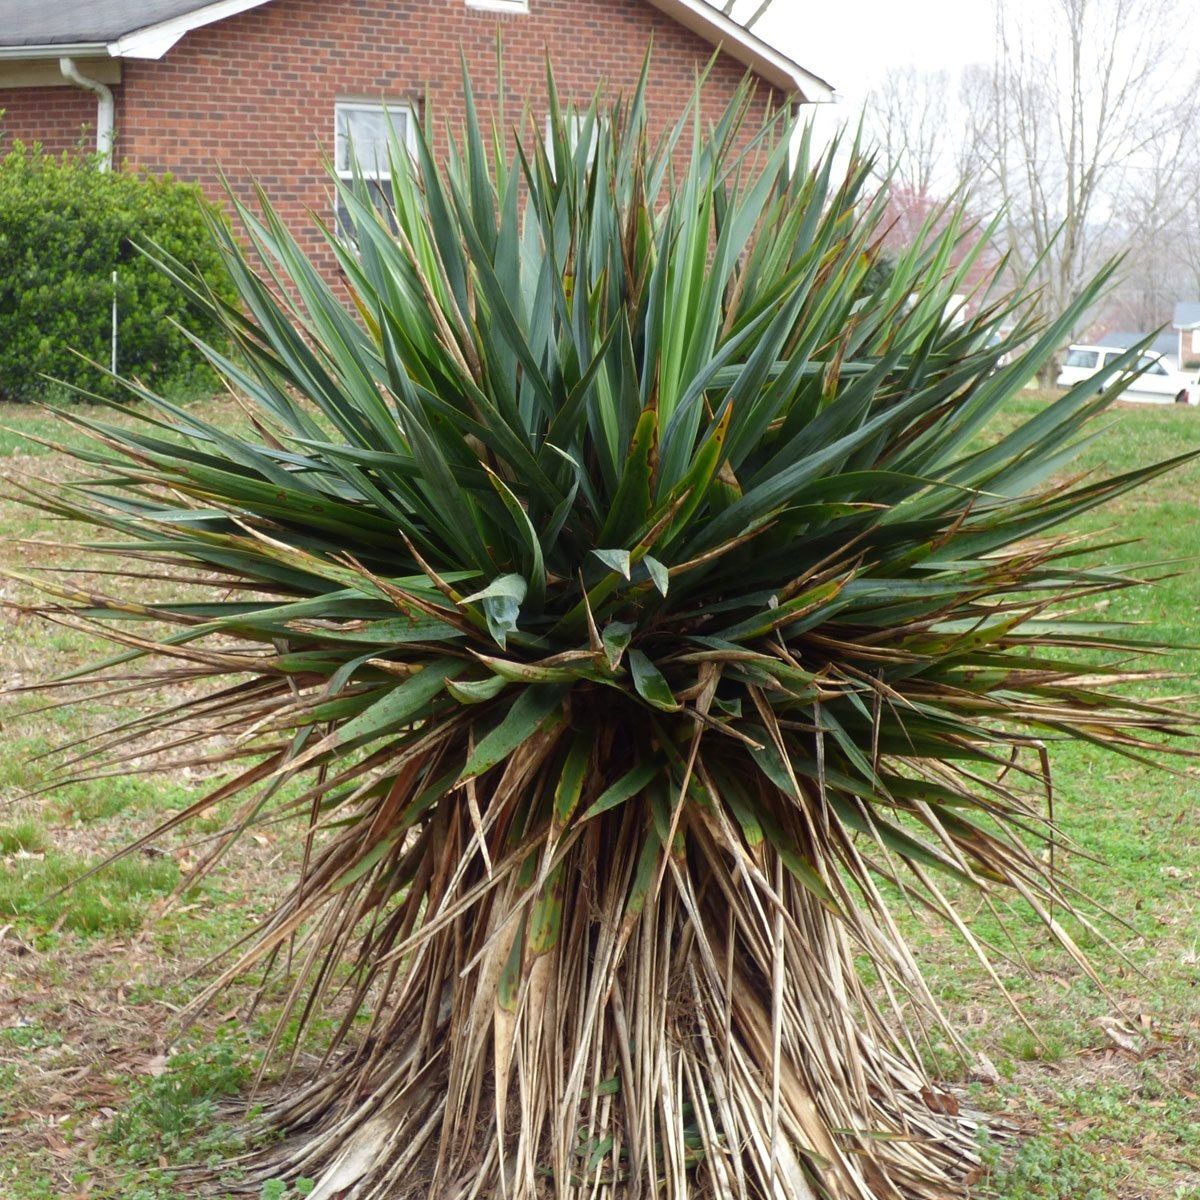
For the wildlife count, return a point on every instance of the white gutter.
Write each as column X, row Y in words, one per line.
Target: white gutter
column 70, row 49
column 105, row 109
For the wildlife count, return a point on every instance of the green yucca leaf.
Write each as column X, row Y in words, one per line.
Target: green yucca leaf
column 650, row 682
column 601, row 509
column 530, row 712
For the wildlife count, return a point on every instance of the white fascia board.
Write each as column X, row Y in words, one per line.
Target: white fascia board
column 714, row 26
column 155, row 40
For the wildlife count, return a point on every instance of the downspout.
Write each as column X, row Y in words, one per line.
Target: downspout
column 105, row 109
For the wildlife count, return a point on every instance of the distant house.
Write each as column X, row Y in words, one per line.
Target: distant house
column 1165, row 344
column 1187, row 333
column 264, row 90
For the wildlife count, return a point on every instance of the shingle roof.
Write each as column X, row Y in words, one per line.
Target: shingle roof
column 1187, row 314
column 110, row 25
column 1165, row 343
column 82, row 22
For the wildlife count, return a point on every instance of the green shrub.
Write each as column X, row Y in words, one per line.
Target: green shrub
column 64, row 228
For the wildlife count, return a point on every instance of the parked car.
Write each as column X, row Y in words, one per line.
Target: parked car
column 1159, row 383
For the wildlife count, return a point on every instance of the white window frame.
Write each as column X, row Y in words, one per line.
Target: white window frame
column 1196, row 341
column 500, row 6
column 386, row 108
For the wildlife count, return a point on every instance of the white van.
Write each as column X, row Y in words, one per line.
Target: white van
column 1159, row 383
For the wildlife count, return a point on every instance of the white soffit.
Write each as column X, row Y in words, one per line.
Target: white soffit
column 748, row 48
column 155, row 40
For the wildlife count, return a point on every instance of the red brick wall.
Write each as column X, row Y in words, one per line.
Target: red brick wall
column 255, row 94
column 61, row 118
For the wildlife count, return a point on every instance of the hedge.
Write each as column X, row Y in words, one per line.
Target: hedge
column 64, row 227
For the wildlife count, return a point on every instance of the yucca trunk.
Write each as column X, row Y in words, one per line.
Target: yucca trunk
column 704, row 1033
column 628, row 605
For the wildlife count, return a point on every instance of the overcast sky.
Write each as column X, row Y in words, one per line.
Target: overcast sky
column 853, row 42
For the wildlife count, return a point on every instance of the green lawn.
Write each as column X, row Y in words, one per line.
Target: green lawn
column 1111, row 1092
column 98, row 1091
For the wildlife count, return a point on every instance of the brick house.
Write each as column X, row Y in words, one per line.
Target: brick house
column 1186, row 324
column 267, row 89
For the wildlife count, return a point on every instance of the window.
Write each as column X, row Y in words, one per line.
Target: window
column 1082, row 358
column 1151, row 366
column 501, row 6
column 1196, row 341
column 362, row 135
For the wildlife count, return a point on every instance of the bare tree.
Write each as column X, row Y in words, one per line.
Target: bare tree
column 906, row 118
column 1186, row 242
column 1076, row 114
column 1158, row 207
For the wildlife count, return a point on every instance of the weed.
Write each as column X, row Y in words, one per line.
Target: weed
column 276, row 1189
column 25, row 836
column 173, row 1116
column 1043, row 1169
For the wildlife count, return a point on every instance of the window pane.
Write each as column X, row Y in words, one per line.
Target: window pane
column 1082, row 358
column 381, row 197
column 362, row 133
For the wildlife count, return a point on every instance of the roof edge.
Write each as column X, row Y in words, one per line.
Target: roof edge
column 153, row 41
column 54, row 50
column 748, row 48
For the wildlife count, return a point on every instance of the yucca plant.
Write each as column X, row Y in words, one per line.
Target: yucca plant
column 629, row 609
